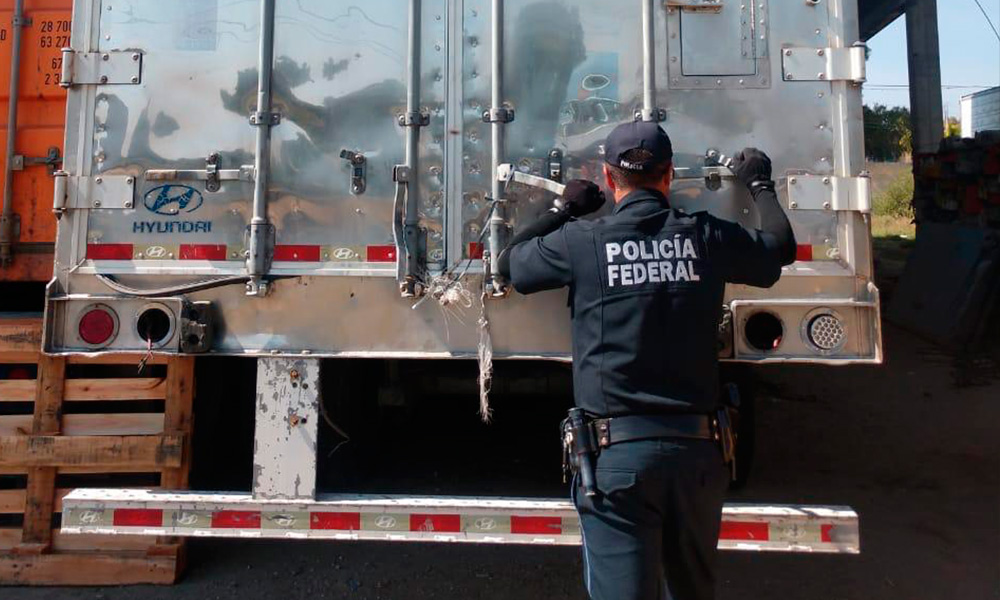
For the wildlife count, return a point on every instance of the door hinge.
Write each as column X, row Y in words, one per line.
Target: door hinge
column 103, row 192
column 824, row 64
column 116, row 67
column 822, row 192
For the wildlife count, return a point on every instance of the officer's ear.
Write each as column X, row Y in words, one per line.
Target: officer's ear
column 609, row 180
column 668, row 177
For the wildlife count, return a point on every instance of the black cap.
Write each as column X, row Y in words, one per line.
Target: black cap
column 634, row 136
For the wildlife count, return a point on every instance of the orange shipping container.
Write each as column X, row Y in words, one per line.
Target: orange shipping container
column 41, row 118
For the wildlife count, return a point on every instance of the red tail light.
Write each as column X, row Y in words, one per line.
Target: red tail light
column 98, row 326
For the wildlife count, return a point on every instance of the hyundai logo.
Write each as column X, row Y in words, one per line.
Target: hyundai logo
column 172, row 200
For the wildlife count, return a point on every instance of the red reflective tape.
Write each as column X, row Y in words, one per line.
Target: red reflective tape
column 236, row 519
column 109, row 251
column 296, row 253
column 475, row 251
column 804, row 253
column 138, row 517
column 203, row 252
column 544, row 525
column 381, row 254
column 826, row 533
column 735, row 530
column 335, row 520
column 436, row 523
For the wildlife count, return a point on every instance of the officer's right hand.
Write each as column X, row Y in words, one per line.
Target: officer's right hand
column 582, row 198
column 752, row 166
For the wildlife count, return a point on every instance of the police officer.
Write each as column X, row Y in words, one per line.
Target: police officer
column 646, row 290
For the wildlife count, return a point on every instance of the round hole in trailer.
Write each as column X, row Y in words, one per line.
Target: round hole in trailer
column 154, row 324
column 764, row 331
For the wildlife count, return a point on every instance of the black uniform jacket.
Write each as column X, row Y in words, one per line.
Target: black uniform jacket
column 646, row 290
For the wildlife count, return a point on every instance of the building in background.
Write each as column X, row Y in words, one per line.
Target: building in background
column 981, row 112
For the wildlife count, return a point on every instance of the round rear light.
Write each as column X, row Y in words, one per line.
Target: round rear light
column 98, row 325
column 825, row 331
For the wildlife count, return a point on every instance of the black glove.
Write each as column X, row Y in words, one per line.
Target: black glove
column 752, row 166
column 582, row 198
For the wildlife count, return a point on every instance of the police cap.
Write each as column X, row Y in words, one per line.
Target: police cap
column 639, row 135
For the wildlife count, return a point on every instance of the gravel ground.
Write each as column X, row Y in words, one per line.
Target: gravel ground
column 914, row 454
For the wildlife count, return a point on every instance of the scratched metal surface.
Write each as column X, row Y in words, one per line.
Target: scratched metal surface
column 572, row 70
column 284, row 453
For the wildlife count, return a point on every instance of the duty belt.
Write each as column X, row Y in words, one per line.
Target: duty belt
column 616, row 430
column 584, row 437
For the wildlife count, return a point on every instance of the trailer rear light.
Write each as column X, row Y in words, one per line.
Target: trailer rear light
column 764, row 331
column 825, row 331
column 98, row 326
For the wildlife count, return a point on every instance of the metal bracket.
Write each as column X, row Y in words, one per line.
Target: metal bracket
column 816, row 192
column 655, row 115
column 414, row 119
column 401, row 174
column 285, row 434
column 499, row 115
column 265, row 119
column 52, row 160
column 359, row 181
column 824, row 64
column 118, row 67
column 266, row 239
column 103, row 192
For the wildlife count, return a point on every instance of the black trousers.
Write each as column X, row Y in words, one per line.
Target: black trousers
column 652, row 530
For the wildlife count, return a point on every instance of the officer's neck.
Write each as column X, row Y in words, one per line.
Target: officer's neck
column 622, row 193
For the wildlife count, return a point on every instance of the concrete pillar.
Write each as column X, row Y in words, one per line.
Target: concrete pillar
column 925, row 75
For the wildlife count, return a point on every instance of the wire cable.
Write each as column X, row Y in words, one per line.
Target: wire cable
column 988, row 20
column 189, row 288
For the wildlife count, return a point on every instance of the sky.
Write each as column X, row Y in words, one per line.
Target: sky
column 970, row 55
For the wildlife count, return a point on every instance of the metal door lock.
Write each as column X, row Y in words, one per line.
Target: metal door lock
column 556, row 165
column 52, row 161
column 359, row 167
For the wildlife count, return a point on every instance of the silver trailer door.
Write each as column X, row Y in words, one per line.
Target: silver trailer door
column 538, row 84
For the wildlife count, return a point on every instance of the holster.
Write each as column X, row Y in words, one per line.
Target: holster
column 580, row 448
column 725, row 432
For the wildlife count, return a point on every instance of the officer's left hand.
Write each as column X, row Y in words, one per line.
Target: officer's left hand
column 582, row 198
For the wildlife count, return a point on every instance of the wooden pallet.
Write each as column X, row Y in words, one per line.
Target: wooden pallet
column 78, row 422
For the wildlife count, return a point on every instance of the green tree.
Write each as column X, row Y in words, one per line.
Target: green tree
column 888, row 134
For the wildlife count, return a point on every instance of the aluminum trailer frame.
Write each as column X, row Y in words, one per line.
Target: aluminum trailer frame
column 141, row 203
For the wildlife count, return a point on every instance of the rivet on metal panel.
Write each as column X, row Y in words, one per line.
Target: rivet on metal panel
column 793, row 205
column 821, row 52
column 788, row 52
column 793, row 181
column 135, row 56
column 105, row 57
column 99, row 180
column 104, row 78
column 826, row 206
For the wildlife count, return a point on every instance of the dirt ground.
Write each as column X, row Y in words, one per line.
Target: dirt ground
column 915, row 454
